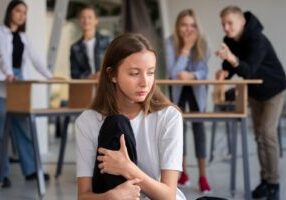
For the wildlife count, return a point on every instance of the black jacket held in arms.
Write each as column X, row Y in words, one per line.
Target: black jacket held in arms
column 257, row 60
column 109, row 137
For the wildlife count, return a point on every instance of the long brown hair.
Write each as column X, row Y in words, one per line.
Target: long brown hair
column 121, row 47
column 199, row 51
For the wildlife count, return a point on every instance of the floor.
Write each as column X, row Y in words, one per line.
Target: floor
column 64, row 188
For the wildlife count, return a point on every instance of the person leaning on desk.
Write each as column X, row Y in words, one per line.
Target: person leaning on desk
column 15, row 51
column 247, row 52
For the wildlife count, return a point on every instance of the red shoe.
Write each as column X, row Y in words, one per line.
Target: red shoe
column 184, row 180
column 204, row 185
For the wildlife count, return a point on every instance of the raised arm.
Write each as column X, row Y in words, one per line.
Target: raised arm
column 175, row 64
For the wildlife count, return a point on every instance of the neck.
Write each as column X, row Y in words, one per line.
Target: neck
column 127, row 107
column 13, row 27
column 89, row 34
column 237, row 38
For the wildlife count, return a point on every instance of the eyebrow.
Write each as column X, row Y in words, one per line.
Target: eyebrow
column 137, row 68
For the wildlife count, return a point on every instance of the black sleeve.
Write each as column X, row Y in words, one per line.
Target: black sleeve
column 256, row 52
column 227, row 66
column 74, row 70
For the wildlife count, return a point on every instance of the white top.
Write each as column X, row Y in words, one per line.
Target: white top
column 90, row 53
column 6, row 49
column 159, row 142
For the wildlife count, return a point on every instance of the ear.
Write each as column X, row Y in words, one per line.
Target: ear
column 110, row 74
column 113, row 79
column 243, row 20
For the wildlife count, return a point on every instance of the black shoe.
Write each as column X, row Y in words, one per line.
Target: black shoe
column 6, row 183
column 33, row 176
column 261, row 190
column 273, row 192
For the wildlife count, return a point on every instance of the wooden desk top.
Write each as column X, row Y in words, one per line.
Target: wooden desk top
column 158, row 81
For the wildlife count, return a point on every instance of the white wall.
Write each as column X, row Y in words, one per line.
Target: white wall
column 3, row 5
column 271, row 13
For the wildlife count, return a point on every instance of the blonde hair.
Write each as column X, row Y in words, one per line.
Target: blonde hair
column 105, row 101
column 231, row 9
column 199, row 51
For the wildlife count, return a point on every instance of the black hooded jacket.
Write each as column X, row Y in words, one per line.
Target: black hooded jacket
column 257, row 60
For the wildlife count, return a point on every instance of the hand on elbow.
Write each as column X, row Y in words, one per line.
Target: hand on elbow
column 127, row 191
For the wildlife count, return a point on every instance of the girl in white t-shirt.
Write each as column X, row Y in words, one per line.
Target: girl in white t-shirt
column 127, row 86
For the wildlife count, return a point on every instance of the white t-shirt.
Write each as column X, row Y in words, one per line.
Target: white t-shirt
column 90, row 53
column 159, row 142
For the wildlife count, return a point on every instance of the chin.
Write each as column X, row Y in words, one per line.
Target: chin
column 231, row 35
column 139, row 99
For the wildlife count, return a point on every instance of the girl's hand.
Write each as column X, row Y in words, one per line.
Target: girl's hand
column 128, row 190
column 94, row 76
column 185, row 75
column 58, row 78
column 225, row 54
column 221, row 74
column 114, row 162
column 10, row 78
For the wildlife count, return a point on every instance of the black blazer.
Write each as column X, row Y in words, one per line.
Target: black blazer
column 109, row 137
column 79, row 65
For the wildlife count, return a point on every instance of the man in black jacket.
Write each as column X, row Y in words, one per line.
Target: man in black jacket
column 86, row 54
column 248, row 53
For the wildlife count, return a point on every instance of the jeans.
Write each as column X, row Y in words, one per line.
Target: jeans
column 187, row 96
column 265, row 116
column 6, row 170
column 21, row 132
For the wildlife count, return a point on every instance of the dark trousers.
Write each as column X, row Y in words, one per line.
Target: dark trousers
column 188, row 97
column 109, row 137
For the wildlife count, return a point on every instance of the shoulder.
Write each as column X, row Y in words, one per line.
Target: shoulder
column 103, row 40
column 76, row 45
column 4, row 32
column 169, row 113
column 89, row 119
column 169, row 41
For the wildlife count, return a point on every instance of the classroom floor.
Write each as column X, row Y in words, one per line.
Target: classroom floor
column 64, row 188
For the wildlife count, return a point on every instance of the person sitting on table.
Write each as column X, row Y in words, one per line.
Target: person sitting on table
column 247, row 52
column 15, row 51
column 86, row 54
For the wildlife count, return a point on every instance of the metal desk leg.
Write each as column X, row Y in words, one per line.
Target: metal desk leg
column 4, row 145
column 233, row 157
column 212, row 141
column 245, row 159
column 228, row 136
column 39, row 167
column 64, row 133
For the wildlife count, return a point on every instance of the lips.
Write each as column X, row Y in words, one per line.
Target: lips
column 142, row 93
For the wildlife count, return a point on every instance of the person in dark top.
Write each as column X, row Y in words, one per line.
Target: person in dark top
column 247, row 52
column 86, row 54
column 17, row 55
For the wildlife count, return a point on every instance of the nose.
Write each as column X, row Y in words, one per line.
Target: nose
column 143, row 81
